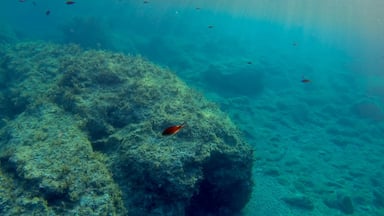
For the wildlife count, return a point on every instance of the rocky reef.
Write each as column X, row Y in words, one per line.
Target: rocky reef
column 81, row 135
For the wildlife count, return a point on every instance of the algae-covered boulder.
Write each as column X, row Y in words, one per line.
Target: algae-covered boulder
column 82, row 133
column 49, row 163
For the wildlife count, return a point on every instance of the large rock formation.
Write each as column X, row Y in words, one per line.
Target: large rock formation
column 81, row 132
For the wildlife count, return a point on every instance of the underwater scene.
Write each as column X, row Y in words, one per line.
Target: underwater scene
column 191, row 107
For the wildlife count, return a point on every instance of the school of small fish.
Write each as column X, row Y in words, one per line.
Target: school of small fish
column 172, row 130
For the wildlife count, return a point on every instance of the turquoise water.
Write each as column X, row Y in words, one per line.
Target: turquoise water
column 319, row 144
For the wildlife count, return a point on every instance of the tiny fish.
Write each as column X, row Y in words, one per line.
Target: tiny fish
column 47, row 12
column 249, row 62
column 305, row 80
column 172, row 130
column 210, row 26
column 145, row 2
column 21, row 0
column 197, row 8
column 69, row 2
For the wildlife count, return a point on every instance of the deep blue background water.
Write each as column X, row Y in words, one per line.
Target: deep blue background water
column 251, row 61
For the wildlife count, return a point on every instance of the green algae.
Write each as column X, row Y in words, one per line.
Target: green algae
column 84, row 135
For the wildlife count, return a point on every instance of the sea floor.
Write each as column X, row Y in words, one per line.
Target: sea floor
column 321, row 156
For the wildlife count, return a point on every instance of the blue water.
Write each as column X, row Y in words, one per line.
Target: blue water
column 322, row 139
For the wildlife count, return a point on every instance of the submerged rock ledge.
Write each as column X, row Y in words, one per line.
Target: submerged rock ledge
column 81, row 135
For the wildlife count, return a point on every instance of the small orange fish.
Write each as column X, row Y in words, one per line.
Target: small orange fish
column 172, row 129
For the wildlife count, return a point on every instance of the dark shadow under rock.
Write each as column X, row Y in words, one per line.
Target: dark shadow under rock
column 341, row 202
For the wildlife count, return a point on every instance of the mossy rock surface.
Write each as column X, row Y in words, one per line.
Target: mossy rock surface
column 82, row 133
column 51, row 164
